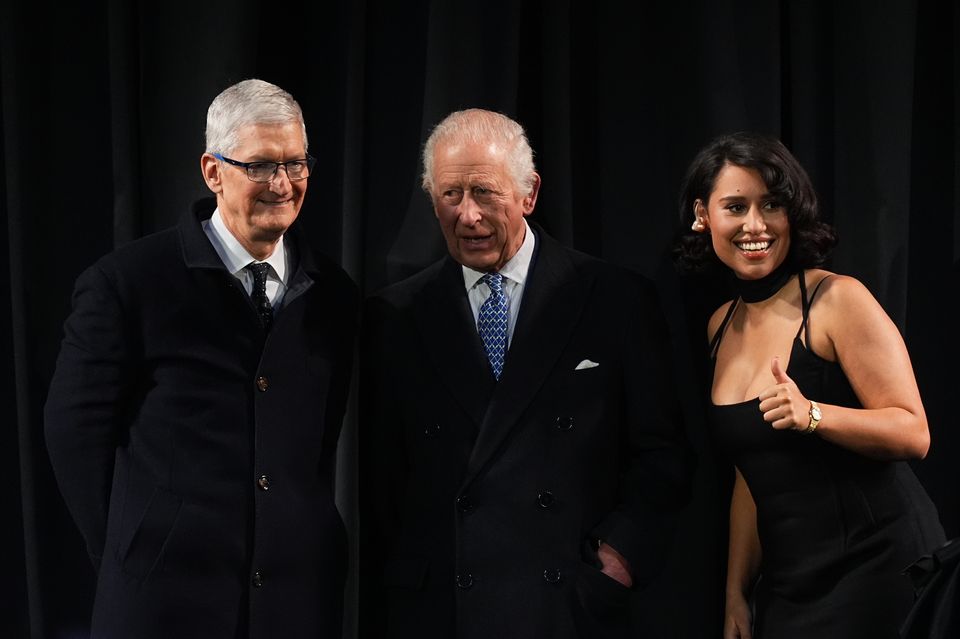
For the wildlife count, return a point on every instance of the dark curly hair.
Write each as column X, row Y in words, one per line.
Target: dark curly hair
column 811, row 240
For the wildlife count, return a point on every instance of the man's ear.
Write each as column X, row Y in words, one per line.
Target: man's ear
column 210, row 168
column 530, row 200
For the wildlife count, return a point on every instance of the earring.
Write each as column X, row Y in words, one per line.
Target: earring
column 698, row 225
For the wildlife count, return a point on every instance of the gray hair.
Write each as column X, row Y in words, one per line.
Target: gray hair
column 480, row 125
column 247, row 103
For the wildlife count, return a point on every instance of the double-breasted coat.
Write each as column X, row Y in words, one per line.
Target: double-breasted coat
column 195, row 450
column 483, row 500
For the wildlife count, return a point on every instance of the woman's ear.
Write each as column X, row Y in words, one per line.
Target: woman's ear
column 700, row 221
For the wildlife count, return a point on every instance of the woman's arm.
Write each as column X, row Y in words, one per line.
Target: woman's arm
column 743, row 561
column 847, row 324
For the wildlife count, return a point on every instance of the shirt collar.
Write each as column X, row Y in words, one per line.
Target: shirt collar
column 235, row 257
column 516, row 268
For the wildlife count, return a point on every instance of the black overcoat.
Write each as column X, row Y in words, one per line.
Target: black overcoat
column 195, row 450
column 482, row 499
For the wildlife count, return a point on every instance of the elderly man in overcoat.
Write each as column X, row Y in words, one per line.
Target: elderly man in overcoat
column 193, row 418
column 521, row 461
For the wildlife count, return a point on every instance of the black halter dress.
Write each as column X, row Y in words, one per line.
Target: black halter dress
column 836, row 528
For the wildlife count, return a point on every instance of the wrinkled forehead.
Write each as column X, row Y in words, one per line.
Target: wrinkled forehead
column 454, row 148
column 466, row 157
column 286, row 134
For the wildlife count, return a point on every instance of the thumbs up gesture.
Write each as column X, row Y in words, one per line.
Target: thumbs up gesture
column 783, row 405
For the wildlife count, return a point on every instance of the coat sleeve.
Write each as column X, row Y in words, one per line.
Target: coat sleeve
column 656, row 463
column 84, row 413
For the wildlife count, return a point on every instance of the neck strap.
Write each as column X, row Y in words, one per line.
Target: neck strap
column 764, row 288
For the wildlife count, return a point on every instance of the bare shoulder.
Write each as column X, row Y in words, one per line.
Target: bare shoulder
column 839, row 293
column 844, row 306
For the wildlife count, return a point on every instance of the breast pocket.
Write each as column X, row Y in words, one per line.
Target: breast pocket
column 583, row 390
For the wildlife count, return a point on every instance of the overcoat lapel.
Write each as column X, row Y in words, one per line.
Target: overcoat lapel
column 552, row 303
column 453, row 346
column 198, row 253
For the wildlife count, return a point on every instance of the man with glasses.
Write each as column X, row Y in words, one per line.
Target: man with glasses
column 193, row 417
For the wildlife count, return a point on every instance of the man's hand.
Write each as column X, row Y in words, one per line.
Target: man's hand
column 614, row 565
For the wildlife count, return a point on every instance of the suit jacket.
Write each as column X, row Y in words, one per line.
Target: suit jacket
column 482, row 499
column 195, row 450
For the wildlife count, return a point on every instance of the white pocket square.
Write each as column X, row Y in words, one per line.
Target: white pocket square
column 586, row 364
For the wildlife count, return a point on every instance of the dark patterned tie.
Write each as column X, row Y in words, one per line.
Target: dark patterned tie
column 492, row 322
column 259, row 293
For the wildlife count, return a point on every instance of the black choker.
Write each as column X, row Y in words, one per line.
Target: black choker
column 765, row 287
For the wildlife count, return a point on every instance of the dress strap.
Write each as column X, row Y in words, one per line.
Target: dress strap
column 806, row 304
column 715, row 342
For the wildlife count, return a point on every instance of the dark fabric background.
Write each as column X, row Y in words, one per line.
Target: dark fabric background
column 102, row 108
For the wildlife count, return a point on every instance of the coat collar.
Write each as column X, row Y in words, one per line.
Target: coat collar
column 199, row 253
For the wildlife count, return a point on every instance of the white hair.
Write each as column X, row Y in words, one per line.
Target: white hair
column 480, row 125
column 248, row 103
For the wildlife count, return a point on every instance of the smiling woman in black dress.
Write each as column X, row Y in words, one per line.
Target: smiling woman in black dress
column 814, row 400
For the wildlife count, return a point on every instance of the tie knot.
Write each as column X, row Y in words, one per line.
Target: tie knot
column 494, row 281
column 259, row 270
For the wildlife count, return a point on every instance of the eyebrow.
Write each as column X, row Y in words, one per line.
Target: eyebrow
column 468, row 184
column 728, row 198
column 731, row 198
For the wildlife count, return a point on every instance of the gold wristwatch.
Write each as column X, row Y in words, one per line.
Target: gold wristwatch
column 815, row 416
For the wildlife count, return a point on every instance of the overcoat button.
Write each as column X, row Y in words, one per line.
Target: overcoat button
column 546, row 499
column 551, row 575
column 262, row 384
column 464, row 581
column 257, row 579
column 564, row 423
column 264, row 482
column 464, row 504
column 432, row 430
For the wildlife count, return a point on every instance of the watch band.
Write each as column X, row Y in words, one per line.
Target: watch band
column 815, row 416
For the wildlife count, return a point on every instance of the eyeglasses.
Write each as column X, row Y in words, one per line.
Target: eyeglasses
column 266, row 171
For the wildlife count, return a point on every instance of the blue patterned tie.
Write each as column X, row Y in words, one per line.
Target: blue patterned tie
column 259, row 292
column 492, row 322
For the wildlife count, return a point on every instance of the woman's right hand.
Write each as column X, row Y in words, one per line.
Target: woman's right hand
column 736, row 623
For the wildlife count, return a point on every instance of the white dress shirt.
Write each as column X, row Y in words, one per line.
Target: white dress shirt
column 514, row 274
column 235, row 258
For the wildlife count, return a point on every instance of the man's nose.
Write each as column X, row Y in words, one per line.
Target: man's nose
column 280, row 181
column 469, row 211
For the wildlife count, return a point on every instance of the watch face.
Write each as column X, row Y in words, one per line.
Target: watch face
column 815, row 412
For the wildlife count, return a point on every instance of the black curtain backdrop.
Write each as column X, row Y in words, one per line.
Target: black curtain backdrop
column 102, row 109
